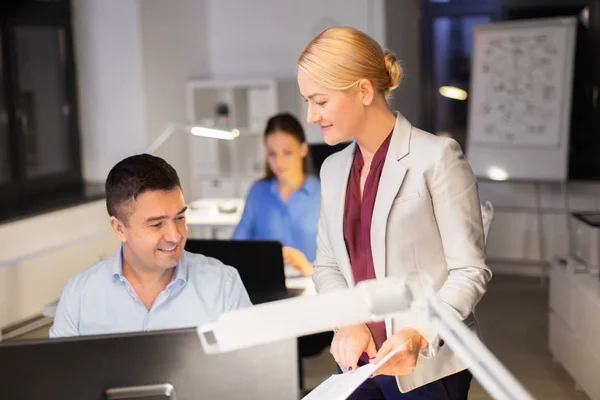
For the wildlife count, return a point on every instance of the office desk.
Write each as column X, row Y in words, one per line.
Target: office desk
column 206, row 213
column 303, row 282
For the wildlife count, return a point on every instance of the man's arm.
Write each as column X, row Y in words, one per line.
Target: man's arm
column 66, row 320
column 235, row 292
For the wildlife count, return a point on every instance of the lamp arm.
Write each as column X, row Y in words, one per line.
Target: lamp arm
column 484, row 366
column 166, row 133
column 372, row 300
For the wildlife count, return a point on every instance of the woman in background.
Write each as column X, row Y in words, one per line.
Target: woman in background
column 284, row 205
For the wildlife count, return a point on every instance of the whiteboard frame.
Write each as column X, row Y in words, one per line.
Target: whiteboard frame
column 526, row 162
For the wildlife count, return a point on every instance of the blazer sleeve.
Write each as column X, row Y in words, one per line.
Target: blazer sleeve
column 454, row 193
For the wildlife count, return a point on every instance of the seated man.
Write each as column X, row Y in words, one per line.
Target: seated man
column 151, row 282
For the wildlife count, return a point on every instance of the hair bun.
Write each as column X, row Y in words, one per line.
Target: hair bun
column 394, row 70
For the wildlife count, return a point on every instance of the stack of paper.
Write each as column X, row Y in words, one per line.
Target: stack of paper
column 341, row 386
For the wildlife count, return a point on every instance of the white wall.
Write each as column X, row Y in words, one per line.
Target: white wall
column 175, row 49
column 263, row 38
column 40, row 253
column 135, row 56
column 517, row 243
column 108, row 56
column 188, row 39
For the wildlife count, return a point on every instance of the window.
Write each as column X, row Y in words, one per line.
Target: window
column 41, row 99
column 446, row 60
column 447, row 33
column 39, row 138
column 5, row 172
column 452, row 46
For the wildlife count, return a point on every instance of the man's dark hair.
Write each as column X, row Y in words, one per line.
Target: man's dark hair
column 133, row 176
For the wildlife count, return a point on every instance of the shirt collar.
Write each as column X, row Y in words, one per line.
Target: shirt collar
column 378, row 157
column 179, row 275
column 310, row 186
column 181, row 271
column 117, row 267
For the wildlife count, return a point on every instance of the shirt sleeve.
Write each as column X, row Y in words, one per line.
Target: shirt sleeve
column 235, row 293
column 245, row 228
column 66, row 319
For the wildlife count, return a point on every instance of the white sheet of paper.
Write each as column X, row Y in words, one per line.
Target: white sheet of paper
column 341, row 386
column 291, row 272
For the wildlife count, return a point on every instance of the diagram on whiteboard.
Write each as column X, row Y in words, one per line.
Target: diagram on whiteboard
column 518, row 85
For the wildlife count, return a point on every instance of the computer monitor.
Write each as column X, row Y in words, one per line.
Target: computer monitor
column 259, row 263
column 92, row 367
column 320, row 151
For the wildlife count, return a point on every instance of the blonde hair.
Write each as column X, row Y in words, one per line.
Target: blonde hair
column 338, row 58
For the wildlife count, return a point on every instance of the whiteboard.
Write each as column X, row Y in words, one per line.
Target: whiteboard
column 520, row 99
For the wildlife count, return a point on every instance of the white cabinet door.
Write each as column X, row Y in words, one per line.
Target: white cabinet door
column 563, row 344
column 561, row 296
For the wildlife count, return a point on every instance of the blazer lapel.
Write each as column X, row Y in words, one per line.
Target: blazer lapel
column 337, row 235
column 392, row 177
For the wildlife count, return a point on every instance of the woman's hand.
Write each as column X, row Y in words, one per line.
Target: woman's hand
column 349, row 343
column 405, row 361
column 296, row 259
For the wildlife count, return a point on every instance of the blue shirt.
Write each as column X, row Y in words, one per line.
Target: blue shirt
column 100, row 300
column 294, row 224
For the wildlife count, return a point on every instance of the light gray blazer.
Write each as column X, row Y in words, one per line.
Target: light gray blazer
column 426, row 219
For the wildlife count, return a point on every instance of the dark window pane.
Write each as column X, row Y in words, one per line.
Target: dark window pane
column 452, row 48
column 4, row 149
column 42, row 106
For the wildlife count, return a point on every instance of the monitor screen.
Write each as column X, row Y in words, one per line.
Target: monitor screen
column 149, row 363
column 259, row 263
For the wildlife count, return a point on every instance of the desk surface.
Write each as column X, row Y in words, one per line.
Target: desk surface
column 303, row 282
column 206, row 212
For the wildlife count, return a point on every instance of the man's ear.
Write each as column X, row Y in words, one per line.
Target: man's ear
column 367, row 92
column 119, row 229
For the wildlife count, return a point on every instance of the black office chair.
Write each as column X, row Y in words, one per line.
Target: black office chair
column 310, row 346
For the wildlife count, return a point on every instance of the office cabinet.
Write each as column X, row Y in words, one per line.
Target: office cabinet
column 573, row 323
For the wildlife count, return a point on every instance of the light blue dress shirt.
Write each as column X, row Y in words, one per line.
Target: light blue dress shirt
column 294, row 224
column 100, row 300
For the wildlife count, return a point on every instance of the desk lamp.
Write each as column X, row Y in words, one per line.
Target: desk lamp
column 373, row 300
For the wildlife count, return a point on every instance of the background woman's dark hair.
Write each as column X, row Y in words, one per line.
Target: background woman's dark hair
column 289, row 124
column 133, row 176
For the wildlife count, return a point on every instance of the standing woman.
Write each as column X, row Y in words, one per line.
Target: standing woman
column 284, row 205
column 397, row 201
